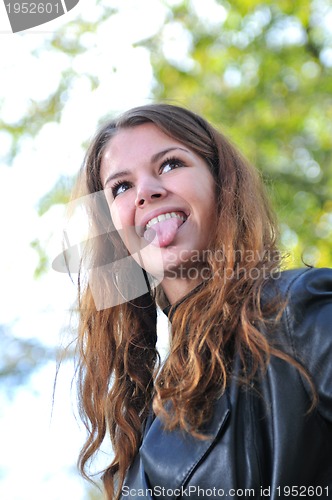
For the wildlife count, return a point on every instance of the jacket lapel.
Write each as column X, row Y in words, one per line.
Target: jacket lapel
column 135, row 484
column 170, row 458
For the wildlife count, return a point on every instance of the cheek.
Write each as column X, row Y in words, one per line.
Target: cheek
column 121, row 215
column 116, row 218
column 122, row 218
column 205, row 194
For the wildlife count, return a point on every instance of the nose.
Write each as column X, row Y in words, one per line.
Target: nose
column 149, row 190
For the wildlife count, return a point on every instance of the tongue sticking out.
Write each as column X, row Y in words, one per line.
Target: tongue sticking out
column 163, row 233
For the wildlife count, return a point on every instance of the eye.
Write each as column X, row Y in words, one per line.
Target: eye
column 120, row 187
column 171, row 164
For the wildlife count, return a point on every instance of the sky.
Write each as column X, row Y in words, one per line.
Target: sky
column 40, row 441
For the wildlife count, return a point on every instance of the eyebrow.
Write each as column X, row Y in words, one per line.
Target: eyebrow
column 154, row 159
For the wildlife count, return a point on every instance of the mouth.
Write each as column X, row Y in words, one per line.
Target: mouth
column 167, row 215
column 162, row 230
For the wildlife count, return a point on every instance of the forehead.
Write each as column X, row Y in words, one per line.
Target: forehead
column 130, row 144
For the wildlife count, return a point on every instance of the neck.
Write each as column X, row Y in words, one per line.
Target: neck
column 176, row 289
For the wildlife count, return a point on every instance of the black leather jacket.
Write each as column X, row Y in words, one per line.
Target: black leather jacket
column 262, row 443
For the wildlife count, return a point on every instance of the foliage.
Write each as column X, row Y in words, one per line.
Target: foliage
column 263, row 72
column 259, row 70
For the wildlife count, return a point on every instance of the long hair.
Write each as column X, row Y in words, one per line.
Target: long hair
column 118, row 380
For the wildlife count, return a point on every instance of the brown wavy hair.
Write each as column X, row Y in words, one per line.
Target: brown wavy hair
column 118, row 360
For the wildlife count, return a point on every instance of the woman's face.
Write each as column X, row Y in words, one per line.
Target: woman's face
column 161, row 197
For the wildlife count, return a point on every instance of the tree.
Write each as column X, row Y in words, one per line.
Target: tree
column 263, row 71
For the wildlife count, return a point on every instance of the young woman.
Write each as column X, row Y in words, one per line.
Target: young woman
column 242, row 405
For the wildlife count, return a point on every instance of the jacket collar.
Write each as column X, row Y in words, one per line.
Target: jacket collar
column 170, row 309
column 170, row 458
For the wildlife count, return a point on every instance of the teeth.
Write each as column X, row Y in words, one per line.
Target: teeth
column 162, row 217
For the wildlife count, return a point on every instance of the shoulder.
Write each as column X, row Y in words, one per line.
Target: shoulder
column 303, row 281
column 306, row 323
column 307, row 295
column 300, row 289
